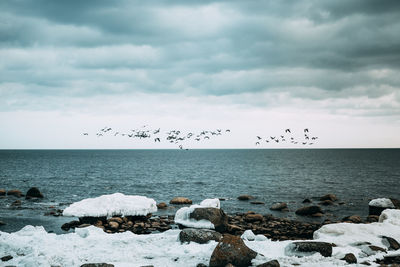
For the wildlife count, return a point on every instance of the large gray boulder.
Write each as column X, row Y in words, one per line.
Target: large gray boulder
column 200, row 236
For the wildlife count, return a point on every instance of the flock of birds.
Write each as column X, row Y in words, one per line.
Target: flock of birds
column 288, row 138
column 178, row 137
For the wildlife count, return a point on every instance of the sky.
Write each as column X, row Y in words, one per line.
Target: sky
column 254, row 67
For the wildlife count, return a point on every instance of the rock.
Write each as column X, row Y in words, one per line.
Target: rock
column 307, row 200
column 391, row 243
column 113, row 225
column 200, row 236
column 16, row 203
column 162, row 205
column 97, row 265
column 6, row 258
column 230, row 265
column 325, row 249
column 257, row 203
column 2, row 192
column 119, row 220
column 353, row 219
column 69, row 225
column 92, row 220
column 391, row 259
column 350, row 258
column 83, row 225
column 180, row 201
column 273, row 263
column 318, row 214
column 2, row 223
column 214, row 215
column 327, row 202
column 376, row 206
column 372, row 218
column 309, row 210
column 245, row 197
column 330, row 197
column 279, row 206
column 232, row 249
column 201, row 265
column 33, row 192
column 15, row 193
column 253, row 217
column 372, row 250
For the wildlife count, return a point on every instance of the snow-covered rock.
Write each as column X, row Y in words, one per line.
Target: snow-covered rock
column 382, row 202
column 211, row 202
column 110, row 205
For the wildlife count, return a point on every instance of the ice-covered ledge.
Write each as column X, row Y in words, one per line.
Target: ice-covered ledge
column 111, row 205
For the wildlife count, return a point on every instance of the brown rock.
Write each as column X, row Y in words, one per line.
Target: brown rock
column 253, row 218
column 327, row 202
column 372, row 218
column 200, row 236
column 307, row 200
column 33, row 192
column 376, row 248
column 279, row 206
column 245, row 197
column 113, row 225
column 391, row 242
column 2, row 192
column 330, row 197
column 6, row 258
column 2, row 223
column 214, row 215
column 119, row 220
column 162, row 205
column 318, row 214
column 180, row 201
column 230, row 265
column 353, row 219
column 309, row 210
column 350, row 258
column 257, row 203
column 273, row 263
column 15, row 193
column 232, row 249
column 391, row 259
column 16, row 203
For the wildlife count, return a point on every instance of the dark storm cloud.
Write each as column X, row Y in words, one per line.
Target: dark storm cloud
column 86, row 48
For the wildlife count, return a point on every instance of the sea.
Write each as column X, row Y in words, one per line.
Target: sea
column 355, row 176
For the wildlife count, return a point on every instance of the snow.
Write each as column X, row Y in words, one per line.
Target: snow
column 211, row 202
column 110, row 205
column 381, row 202
column 33, row 246
column 182, row 216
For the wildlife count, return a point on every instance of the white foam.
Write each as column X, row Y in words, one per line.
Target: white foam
column 110, row 205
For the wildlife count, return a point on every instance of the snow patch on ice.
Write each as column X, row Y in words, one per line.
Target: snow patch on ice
column 211, row 202
column 110, row 205
column 382, row 202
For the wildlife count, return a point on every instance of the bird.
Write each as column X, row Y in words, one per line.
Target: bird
column 85, row 134
column 287, row 131
column 157, row 140
column 257, row 143
column 227, row 130
column 258, row 137
column 306, row 130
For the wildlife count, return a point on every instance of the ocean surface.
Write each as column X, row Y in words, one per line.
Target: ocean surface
column 290, row 175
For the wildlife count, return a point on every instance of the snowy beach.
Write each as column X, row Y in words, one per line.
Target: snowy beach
column 33, row 246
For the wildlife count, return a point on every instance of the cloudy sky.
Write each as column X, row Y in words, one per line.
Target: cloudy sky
column 255, row 67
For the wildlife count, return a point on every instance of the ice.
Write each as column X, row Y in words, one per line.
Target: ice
column 382, row 202
column 110, row 205
column 248, row 235
column 182, row 216
column 211, row 202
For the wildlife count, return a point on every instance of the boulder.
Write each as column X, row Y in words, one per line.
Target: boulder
column 180, row 201
column 2, row 223
column 391, row 259
column 350, row 258
column 330, row 197
column 249, row 217
column 232, row 249
column 201, row 265
column 214, row 215
column 257, row 203
column 307, row 200
column 245, row 197
column 327, row 202
column 2, row 192
column 372, row 250
column 15, row 193
column 6, row 258
column 273, row 263
column 376, row 206
column 33, row 192
column 279, row 206
column 301, row 248
column 162, row 205
column 115, row 219
column 97, row 265
column 309, row 210
column 353, row 219
column 390, row 242
column 200, row 236
column 113, row 225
